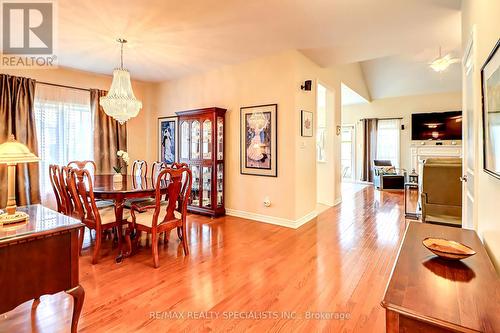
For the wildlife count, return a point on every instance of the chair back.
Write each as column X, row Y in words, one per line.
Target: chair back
column 87, row 164
column 382, row 163
column 81, row 187
column 177, row 165
column 69, row 200
column 156, row 168
column 139, row 168
column 55, row 181
column 441, row 181
column 178, row 183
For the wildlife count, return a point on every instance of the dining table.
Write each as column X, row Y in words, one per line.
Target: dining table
column 130, row 187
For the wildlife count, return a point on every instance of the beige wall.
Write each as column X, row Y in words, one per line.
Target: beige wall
column 139, row 132
column 484, row 15
column 394, row 108
column 266, row 80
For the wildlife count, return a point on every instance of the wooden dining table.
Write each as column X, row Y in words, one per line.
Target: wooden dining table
column 131, row 187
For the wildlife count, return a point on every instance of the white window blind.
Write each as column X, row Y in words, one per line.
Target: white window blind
column 388, row 140
column 64, row 128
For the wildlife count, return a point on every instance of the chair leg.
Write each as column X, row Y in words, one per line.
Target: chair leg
column 179, row 233
column 184, row 240
column 154, row 248
column 82, row 235
column 97, row 247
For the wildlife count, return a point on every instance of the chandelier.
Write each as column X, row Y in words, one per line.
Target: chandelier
column 120, row 102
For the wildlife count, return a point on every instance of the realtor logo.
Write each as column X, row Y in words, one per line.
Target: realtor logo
column 27, row 27
column 28, row 33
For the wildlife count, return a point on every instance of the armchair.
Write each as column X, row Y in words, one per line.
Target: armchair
column 386, row 176
column 441, row 196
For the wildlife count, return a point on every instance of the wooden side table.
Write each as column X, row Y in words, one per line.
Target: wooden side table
column 39, row 257
column 408, row 186
column 429, row 294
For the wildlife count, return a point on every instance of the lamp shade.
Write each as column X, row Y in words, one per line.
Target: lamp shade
column 12, row 152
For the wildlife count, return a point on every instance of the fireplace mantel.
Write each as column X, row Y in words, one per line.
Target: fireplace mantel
column 422, row 152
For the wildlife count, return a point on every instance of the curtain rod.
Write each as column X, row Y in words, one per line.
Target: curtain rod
column 400, row 118
column 61, row 85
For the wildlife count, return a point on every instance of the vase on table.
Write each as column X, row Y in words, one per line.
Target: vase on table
column 117, row 178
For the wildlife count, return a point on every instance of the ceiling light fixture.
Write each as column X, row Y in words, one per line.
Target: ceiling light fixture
column 441, row 63
column 120, row 102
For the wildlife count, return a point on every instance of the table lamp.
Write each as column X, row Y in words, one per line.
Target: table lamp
column 13, row 152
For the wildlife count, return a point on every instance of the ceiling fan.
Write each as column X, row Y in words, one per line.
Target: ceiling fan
column 441, row 63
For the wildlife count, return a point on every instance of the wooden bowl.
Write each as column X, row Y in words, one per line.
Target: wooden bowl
column 448, row 249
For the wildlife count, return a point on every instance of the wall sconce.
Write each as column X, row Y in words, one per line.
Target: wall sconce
column 307, row 85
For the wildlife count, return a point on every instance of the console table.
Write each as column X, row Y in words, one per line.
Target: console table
column 39, row 257
column 429, row 294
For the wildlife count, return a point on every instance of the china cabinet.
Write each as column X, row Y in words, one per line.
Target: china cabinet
column 202, row 148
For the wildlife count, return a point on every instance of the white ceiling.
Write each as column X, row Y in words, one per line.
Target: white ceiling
column 350, row 97
column 170, row 38
column 405, row 75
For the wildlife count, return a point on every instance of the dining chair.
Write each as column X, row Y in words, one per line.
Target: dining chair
column 156, row 168
column 139, row 168
column 164, row 215
column 55, row 181
column 81, row 187
column 84, row 165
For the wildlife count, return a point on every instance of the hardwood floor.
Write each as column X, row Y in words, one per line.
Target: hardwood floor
column 340, row 262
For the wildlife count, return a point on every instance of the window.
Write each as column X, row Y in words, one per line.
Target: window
column 321, row 124
column 64, row 128
column 388, row 132
column 347, row 152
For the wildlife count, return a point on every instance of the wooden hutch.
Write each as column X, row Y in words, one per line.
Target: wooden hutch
column 202, row 148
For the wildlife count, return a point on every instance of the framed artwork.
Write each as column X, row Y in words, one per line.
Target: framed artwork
column 168, row 137
column 306, row 119
column 490, row 79
column 258, row 140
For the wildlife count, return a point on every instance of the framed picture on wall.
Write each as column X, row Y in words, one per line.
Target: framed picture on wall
column 168, row 140
column 490, row 77
column 258, row 140
column 306, row 119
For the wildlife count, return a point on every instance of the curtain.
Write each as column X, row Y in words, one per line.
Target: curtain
column 369, row 148
column 17, row 117
column 64, row 127
column 388, row 140
column 109, row 135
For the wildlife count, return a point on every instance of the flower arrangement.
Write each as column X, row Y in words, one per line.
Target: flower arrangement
column 125, row 158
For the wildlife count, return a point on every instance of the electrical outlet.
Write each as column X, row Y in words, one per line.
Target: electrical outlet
column 267, row 202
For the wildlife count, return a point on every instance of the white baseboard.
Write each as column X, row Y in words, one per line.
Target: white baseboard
column 294, row 224
column 337, row 201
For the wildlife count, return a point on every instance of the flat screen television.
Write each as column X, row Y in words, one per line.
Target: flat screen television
column 436, row 126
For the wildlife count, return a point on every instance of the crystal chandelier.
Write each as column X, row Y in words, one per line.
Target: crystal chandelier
column 120, row 102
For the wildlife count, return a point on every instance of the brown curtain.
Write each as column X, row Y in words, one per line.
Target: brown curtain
column 369, row 148
column 17, row 116
column 109, row 135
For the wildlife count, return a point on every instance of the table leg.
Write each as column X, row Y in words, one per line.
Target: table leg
column 78, row 295
column 119, row 203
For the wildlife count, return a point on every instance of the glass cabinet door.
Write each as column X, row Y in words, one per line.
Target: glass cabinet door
column 207, row 187
column 195, row 139
column 220, row 138
column 195, row 187
column 220, row 185
column 207, row 139
column 185, row 140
